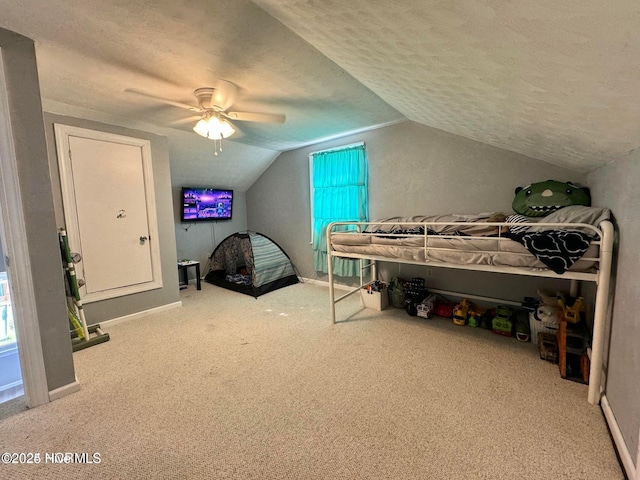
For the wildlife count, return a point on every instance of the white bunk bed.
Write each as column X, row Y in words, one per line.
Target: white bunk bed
column 413, row 241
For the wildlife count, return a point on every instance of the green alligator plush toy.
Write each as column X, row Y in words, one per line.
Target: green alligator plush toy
column 542, row 198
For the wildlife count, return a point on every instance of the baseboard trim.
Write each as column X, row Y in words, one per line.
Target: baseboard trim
column 618, row 440
column 326, row 284
column 65, row 390
column 144, row 313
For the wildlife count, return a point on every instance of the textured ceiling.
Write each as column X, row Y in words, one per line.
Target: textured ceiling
column 558, row 81
column 555, row 80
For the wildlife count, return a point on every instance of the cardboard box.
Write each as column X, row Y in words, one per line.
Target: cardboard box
column 375, row 300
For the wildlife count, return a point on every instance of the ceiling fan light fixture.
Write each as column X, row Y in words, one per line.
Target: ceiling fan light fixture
column 214, row 128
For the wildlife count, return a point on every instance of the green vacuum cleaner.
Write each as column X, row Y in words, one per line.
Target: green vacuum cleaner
column 82, row 336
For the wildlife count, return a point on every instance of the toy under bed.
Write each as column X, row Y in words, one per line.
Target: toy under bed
column 574, row 243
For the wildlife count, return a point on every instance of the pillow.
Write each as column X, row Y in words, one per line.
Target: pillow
column 575, row 214
column 542, row 198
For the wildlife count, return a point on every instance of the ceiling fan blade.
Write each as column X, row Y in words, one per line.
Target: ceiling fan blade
column 256, row 117
column 163, row 100
column 224, row 95
column 182, row 121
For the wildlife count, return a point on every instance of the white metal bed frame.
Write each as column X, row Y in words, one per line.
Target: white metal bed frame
column 601, row 275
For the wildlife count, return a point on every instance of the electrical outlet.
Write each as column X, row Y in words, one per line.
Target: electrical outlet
column 428, row 272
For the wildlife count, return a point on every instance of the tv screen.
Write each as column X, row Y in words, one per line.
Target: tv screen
column 199, row 204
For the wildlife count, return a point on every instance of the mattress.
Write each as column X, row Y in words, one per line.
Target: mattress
column 496, row 251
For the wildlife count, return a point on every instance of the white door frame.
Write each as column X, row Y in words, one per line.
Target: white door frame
column 62, row 134
column 14, row 240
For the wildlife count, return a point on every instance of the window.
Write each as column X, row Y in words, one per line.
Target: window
column 339, row 192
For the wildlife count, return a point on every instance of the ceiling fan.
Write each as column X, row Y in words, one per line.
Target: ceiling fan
column 212, row 111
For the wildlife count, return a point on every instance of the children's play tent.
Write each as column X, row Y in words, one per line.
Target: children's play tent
column 250, row 263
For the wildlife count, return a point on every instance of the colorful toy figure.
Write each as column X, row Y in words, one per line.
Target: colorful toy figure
column 426, row 307
column 475, row 318
column 460, row 312
column 444, row 308
column 542, row 198
column 502, row 323
column 571, row 314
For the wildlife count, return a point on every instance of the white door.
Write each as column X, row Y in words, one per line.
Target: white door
column 109, row 208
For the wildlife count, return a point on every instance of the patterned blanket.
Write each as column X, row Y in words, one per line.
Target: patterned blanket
column 557, row 249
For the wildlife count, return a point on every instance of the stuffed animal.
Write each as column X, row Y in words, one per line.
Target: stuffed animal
column 548, row 309
column 547, row 314
column 542, row 198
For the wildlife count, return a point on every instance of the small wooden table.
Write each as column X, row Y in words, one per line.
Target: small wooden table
column 183, row 270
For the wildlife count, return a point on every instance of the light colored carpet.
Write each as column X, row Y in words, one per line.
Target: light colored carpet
column 230, row 387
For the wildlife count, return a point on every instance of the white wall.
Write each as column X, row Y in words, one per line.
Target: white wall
column 616, row 186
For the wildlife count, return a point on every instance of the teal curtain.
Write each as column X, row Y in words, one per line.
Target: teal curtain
column 340, row 193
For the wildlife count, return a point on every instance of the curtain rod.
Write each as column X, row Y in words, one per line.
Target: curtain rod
column 342, row 147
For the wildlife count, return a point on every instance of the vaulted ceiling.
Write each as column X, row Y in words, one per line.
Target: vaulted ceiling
column 558, row 81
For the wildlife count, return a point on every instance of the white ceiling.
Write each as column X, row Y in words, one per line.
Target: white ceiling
column 558, row 81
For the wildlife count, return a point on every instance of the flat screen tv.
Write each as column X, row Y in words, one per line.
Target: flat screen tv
column 206, row 204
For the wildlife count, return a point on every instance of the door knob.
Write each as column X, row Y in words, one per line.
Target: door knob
column 143, row 239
